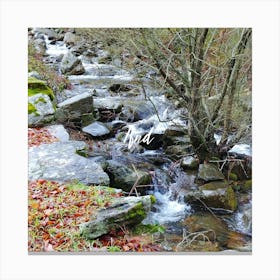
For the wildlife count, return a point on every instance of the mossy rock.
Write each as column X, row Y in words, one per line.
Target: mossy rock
column 36, row 86
column 213, row 197
column 125, row 211
column 40, row 110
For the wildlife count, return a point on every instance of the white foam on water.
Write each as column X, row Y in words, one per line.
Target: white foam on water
column 167, row 210
column 55, row 49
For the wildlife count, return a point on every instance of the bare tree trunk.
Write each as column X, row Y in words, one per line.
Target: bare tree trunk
column 235, row 65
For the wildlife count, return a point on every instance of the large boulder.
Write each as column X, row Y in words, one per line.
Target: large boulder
column 217, row 195
column 209, row 172
column 70, row 39
column 71, row 65
column 97, row 129
column 78, row 107
column 40, row 110
column 59, row 161
column 124, row 178
column 125, row 211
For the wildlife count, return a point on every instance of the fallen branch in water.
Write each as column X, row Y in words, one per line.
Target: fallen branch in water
column 189, row 238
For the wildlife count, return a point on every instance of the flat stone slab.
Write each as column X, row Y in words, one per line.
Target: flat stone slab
column 75, row 99
column 75, row 107
column 59, row 162
column 96, row 129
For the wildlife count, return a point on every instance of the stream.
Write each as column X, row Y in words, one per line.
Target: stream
column 169, row 180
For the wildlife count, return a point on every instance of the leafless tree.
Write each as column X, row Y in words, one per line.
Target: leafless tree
column 208, row 70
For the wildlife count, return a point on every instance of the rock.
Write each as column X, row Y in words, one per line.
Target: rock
column 79, row 48
column 70, row 39
column 176, row 140
column 215, row 229
column 209, row 172
column 125, row 211
column 96, row 129
column 60, row 162
column 214, row 185
column 75, row 108
column 52, row 35
column 36, row 86
column 40, row 109
column 178, row 151
column 71, row 65
column 216, row 195
column 34, row 74
column 40, row 46
column 224, row 198
column 101, row 160
column 243, row 168
column 109, row 103
column 175, row 131
column 189, row 162
column 59, row 132
column 135, row 110
column 123, row 177
column 120, row 88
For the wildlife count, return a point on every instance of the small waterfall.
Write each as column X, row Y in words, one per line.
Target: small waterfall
column 169, row 206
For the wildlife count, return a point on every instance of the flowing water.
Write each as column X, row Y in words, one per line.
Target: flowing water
column 168, row 178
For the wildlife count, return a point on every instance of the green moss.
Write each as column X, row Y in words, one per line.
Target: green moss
column 247, row 186
column 153, row 199
column 231, row 199
column 31, row 108
column 113, row 249
column 137, row 214
column 41, row 99
column 36, row 86
column 87, row 119
column 233, row 176
column 82, row 152
column 144, row 229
